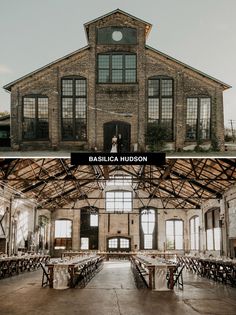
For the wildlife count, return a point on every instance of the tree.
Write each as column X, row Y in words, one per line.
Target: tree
column 4, row 113
column 156, row 136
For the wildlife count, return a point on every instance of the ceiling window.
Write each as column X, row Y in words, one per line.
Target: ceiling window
column 198, row 124
column 117, row 68
column 35, row 118
column 74, row 108
column 160, row 104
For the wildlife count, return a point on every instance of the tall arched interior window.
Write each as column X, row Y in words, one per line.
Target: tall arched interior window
column 194, row 233
column 63, row 234
column 213, row 230
column 148, row 229
column 174, row 234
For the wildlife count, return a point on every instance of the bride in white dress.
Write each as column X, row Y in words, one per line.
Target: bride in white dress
column 114, row 144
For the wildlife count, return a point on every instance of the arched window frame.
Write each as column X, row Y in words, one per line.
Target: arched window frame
column 174, row 238
column 194, row 232
column 213, row 229
column 63, row 238
column 74, row 108
column 161, row 104
column 148, row 233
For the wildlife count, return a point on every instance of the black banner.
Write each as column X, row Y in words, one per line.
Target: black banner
column 157, row 159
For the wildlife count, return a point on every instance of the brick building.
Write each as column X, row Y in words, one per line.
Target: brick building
column 115, row 85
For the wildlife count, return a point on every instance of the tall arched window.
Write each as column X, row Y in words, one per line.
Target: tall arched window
column 194, row 233
column 74, row 108
column 174, row 234
column 213, row 230
column 148, row 226
column 160, row 104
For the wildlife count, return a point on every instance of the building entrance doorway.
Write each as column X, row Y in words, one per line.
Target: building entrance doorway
column 117, row 128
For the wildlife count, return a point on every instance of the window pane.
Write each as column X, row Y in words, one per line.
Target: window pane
column 117, row 76
column 80, row 108
column 29, row 107
column 67, row 87
column 130, row 61
column 191, row 128
column 117, row 62
column 209, row 239
column 113, row 243
column 119, row 201
column 178, row 227
column 43, row 108
column 124, row 243
column 80, row 87
column 205, row 118
column 84, row 243
column 67, row 108
column 169, row 227
column 166, row 87
column 148, row 241
column 167, row 111
column 170, row 242
column 74, row 108
column 178, row 242
column 153, row 109
column 217, row 234
column 116, row 68
column 130, row 76
column 63, row 228
column 103, row 76
column 103, row 61
column 93, row 219
column 153, row 88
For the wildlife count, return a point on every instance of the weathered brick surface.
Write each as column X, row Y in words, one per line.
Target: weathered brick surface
column 117, row 98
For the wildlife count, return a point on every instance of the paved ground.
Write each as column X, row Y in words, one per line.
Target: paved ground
column 113, row 292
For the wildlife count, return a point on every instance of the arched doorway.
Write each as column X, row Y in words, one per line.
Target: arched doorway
column 118, row 244
column 115, row 128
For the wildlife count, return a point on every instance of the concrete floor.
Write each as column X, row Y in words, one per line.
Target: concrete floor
column 112, row 292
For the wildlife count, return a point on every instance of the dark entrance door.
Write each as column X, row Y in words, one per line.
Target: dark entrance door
column 115, row 128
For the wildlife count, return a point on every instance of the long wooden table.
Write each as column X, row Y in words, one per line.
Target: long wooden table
column 12, row 265
column 89, row 265
column 154, row 272
column 216, row 269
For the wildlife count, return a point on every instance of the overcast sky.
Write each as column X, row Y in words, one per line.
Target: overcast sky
column 201, row 33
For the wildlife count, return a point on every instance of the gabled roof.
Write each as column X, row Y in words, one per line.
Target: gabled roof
column 225, row 85
column 148, row 25
column 9, row 85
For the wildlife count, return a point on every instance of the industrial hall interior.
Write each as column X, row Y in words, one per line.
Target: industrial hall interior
column 120, row 237
column 108, row 237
